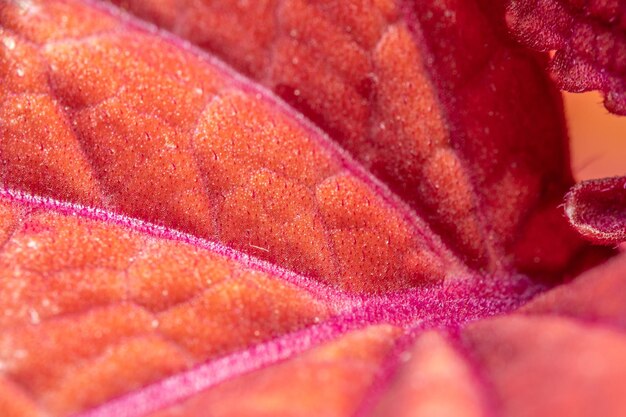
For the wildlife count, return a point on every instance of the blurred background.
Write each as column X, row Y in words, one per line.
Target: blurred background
column 598, row 138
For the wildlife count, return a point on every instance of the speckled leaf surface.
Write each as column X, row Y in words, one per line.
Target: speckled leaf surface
column 325, row 232
column 430, row 97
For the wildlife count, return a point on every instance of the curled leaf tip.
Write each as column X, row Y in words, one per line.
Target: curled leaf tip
column 589, row 40
column 597, row 209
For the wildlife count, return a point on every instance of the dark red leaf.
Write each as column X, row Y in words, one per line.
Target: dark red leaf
column 589, row 38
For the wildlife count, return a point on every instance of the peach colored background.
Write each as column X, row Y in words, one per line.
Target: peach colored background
column 598, row 138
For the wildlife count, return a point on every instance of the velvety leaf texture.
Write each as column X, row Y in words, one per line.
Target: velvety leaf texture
column 589, row 38
column 597, row 208
column 444, row 124
column 360, row 216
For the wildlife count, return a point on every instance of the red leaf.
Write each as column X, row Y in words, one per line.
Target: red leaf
column 446, row 149
column 178, row 240
column 108, row 114
column 589, row 38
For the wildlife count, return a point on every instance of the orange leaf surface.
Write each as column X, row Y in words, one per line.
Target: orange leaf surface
column 448, row 131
